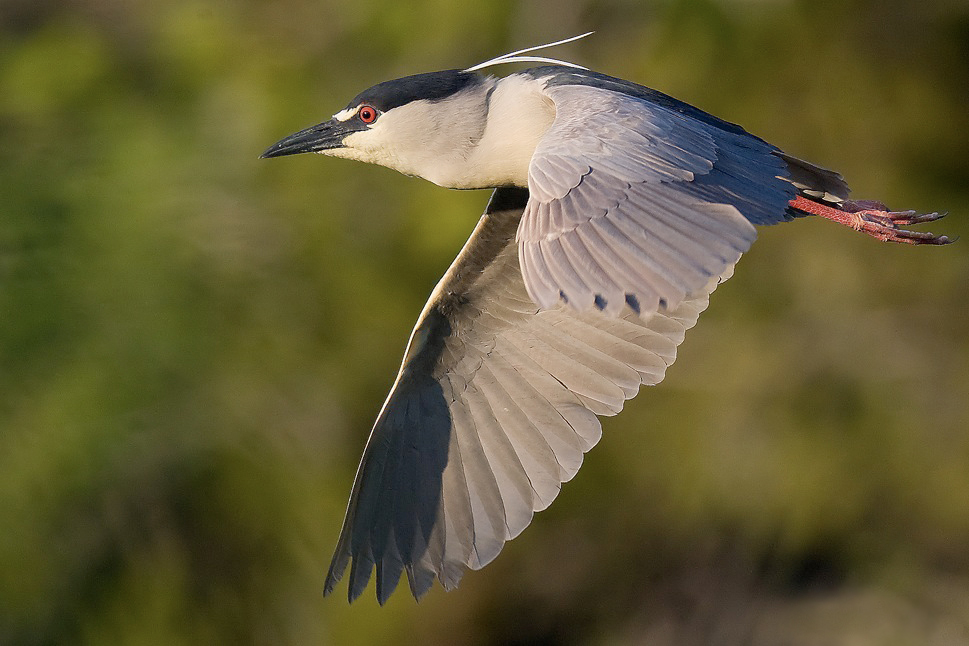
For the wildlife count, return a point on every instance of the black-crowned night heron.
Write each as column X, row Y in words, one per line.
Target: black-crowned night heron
column 616, row 212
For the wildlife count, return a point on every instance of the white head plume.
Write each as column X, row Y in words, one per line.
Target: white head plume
column 515, row 57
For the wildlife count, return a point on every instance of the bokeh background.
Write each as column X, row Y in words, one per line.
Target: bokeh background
column 194, row 342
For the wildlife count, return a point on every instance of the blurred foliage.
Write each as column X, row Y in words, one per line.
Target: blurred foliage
column 193, row 343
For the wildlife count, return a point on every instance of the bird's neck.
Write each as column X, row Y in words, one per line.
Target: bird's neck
column 519, row 113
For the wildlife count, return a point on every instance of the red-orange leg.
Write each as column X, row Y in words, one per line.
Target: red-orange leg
column 875, row 219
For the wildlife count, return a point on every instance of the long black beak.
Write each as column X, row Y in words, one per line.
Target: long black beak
column 323, row 136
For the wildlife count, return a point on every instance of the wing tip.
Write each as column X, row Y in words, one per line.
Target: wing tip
column 420, row 579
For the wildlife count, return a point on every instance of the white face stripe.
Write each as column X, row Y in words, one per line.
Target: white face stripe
column 345, row 114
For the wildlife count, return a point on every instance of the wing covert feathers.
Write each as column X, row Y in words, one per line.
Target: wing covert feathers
column 636, row 202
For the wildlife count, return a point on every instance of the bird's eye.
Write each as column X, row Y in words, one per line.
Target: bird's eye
column 367, row 113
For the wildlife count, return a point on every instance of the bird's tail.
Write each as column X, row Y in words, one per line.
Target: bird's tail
column 815, row 182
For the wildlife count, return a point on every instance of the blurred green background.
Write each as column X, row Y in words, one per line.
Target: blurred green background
column 194, row 342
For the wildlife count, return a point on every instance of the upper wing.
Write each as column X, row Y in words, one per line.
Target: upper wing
column 640, row 202
column 492, row 410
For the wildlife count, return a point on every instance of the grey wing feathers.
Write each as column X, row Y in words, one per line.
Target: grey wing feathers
column 635, row 202
column 494, row 407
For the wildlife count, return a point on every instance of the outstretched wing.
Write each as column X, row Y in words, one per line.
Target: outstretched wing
column 640, row 202
column 492, row 410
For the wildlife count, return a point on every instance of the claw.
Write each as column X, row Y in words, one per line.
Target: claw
column 884, row 225
column 876, row 220
column 898, row 217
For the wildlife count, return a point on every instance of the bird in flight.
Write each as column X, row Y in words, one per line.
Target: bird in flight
column 616, row 210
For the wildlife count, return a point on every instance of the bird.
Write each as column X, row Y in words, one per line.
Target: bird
column 615, row 212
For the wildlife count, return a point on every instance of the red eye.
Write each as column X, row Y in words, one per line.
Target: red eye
column 367, row 113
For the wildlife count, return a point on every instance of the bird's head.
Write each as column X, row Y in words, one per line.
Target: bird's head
column 422, row 125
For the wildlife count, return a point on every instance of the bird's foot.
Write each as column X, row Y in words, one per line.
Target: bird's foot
column 875, row 219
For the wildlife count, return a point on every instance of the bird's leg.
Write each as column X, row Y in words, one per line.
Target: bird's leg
column 875, row 219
